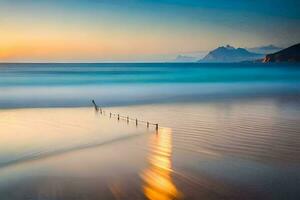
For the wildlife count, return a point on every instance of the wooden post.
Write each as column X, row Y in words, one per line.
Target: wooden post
column 127, row 118
column 95, row 105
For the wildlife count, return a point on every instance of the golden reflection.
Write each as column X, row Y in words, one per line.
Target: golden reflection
column 158, row 184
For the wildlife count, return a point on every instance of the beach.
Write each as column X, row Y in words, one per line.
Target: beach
column 210, row 150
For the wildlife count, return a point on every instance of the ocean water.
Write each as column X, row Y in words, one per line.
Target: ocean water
column 227, row 131
column 43, row 85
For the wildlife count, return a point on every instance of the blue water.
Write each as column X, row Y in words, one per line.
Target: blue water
column 241, row 142
column 69, row 84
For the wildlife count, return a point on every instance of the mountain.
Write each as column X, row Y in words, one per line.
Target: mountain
column 265, row 49
column 290, row 54
column 230, row 54
column 182, row 58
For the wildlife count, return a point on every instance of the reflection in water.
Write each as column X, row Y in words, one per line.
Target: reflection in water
column 157, row 177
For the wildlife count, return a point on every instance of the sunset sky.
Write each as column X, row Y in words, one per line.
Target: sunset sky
column 120, row 30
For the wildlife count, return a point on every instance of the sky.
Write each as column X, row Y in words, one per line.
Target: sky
column 144, row 30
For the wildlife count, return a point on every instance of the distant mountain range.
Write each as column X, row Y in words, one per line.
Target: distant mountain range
column 265, row 49
column 290, row 54
column 230, row 54
column 226, row 54
column 181, row 58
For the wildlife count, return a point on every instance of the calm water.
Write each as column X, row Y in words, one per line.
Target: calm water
column 247, row 149
column 40, row 85
column 227, row 131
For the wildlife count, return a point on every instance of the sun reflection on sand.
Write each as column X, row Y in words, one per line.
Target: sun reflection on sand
column 158, row 183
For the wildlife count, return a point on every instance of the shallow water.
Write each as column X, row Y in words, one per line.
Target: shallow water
column 32, row 133
column 241, row 149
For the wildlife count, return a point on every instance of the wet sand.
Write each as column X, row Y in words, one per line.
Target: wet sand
column 219, row 150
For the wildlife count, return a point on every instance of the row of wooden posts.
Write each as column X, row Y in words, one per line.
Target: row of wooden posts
column 127, row 118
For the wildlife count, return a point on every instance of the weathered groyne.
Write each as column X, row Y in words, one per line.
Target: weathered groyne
column 122, row 117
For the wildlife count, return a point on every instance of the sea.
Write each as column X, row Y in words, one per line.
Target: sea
column 73, row 84
column 226, row 131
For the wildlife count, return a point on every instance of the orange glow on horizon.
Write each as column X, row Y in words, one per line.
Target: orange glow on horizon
column 57, row 42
